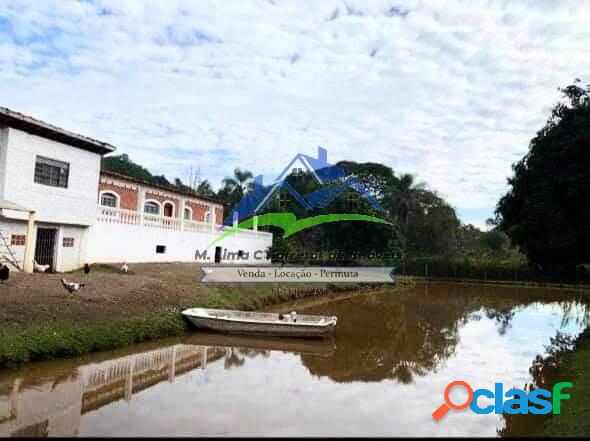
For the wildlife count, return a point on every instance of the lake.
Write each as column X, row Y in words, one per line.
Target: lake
column 383, row 373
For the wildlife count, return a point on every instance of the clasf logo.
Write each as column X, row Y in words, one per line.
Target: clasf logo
column 538, row 401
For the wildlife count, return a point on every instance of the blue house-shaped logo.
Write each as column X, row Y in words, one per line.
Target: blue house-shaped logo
column 331, row 177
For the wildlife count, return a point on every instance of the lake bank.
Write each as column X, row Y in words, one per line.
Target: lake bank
column 41, row 321
column 412, row 344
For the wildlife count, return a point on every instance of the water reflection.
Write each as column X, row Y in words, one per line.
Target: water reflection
column 50, row 402
column 53, row 406
column 383, row 374
column 401, row 336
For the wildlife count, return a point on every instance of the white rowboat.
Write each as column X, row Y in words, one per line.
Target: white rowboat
column 261, row 323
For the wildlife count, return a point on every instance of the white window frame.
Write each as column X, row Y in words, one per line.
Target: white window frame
column 155, row 202
column 114, row 193
column 190, row 210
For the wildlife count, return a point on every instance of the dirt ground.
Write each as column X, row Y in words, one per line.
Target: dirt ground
column 27, row 299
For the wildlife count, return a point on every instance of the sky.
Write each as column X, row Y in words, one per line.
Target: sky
column 451, row 92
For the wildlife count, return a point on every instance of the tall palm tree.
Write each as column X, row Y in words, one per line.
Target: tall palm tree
column 403, row 199
column 234, row 188
column 240, row 184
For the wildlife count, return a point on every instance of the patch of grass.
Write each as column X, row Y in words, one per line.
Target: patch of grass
column 61, row 339
column 68, row 339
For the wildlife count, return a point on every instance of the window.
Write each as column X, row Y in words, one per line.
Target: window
column 151, row 208
column 297, row 174
column 352, row 200
column 208, row 217
column 188, row 214
column 160, row 249
column 51, row 172
column 283, row 199
column 17, row 239
column 68, row 242
column 108, row 200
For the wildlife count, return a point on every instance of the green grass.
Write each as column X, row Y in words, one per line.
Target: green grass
column 68, row 339
column 61, row 339
column 574, row 419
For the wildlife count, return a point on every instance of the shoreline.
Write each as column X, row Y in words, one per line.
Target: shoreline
column 67, row 337
column 522, row 284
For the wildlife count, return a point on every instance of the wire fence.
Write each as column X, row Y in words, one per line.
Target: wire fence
column 489, row 271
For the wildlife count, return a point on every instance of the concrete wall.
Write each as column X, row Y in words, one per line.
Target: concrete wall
column 3, row 150
column 65, row 258
column 73, row 205
column 113, row 243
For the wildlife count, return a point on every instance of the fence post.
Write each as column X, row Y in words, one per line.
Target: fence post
column 426, row 269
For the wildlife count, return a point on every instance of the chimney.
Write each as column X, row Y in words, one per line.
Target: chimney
column 322, row 155
column 257, row 183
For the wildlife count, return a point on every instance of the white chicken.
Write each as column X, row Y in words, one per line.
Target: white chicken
column 71, row 286
column 124, row 268
column 40, row 268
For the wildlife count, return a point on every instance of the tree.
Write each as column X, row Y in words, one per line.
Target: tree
column 546, row 211
column 122, row 164
column 401, row 200
column 234, row 188
column 430, row 224
column 205, row 188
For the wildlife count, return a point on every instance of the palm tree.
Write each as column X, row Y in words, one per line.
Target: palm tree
column 240, row 184
column 234, row 188
column 404, row 199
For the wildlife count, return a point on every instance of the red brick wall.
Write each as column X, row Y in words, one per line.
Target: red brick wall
column 199, row 211
column 127, row 196
column 218, row 216
column 161, row 200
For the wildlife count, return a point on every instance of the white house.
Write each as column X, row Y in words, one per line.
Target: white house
column 57, row 208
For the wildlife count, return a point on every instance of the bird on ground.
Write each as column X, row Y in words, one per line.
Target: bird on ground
column 40, row 268
column 4, row 273
column 86, row 268
column 124, row 268
column 71, row 286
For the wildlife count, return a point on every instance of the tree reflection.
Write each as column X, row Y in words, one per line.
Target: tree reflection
column 545, row 372
column 397, row 336
column 401, row 336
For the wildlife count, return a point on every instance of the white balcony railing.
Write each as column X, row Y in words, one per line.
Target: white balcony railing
column 130, row 217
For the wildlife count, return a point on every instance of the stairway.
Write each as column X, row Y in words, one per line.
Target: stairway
column 6, row 252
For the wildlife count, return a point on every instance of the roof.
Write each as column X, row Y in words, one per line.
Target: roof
column 170, row 188
column 36, row 127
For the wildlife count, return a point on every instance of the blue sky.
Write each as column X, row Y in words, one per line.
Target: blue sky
column 449, row 91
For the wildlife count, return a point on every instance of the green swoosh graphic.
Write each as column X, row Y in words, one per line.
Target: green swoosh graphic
column 290, row 225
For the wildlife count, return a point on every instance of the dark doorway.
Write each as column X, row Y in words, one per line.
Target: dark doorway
column 217, row 254
column 45, row 247
column 168, row 210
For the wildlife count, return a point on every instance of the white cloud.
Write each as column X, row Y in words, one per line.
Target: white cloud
column 449, row 91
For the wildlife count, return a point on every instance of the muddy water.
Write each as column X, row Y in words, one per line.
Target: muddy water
column 383, row 373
